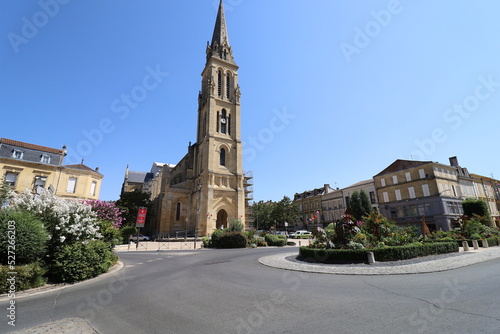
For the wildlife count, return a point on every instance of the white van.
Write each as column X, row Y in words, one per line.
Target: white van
column 301, row 233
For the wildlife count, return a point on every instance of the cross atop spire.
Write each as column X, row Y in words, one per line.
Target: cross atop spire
column 220, row 40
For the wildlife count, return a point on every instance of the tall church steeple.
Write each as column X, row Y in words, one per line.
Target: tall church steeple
column 219, row 47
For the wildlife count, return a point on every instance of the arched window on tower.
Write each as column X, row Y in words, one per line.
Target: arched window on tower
column 219, row 83
column 223, row 121
column 178, row 212
column 222, row 157
column 229, row 124
column 228, row 85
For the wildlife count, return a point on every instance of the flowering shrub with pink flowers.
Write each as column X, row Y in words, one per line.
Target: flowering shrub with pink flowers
column 107, row 211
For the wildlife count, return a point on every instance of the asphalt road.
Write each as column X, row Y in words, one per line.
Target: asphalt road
column 228, row 291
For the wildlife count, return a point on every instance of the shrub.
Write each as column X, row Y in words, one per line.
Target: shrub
column 388, row 253
column 26, row 236
column 111, row 235
column 275, row 240
column 107, row 211
column 78, row 261
column 232, row 240
column 207, row 243
column 27, row 277
column 235, row 225
column 127, row 231
column 216, row 235
column 260, row 241
column 492, row 241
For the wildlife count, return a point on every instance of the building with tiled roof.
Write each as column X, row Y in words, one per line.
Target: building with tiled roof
column 34, row 167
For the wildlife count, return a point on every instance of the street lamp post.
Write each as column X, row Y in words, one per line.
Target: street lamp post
column 197, row 215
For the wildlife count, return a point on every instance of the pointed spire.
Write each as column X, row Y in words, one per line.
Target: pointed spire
column 219, row 46
column 220, row 31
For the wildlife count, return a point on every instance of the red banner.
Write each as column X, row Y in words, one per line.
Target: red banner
column 141, row 217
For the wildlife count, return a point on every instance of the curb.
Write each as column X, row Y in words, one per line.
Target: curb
column 55, row 287
column 460, row 260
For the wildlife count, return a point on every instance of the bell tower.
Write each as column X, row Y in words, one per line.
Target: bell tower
column 219, row 191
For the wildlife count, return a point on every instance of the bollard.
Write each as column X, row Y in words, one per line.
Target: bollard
column 484, row 243
column 475, row 244
column 465, row 245
column 300, row 243
column 371, row 258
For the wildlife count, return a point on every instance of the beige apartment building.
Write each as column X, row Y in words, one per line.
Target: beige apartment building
column 34, row 167
column 310, row 206
column 488, row 190
column 409, row 190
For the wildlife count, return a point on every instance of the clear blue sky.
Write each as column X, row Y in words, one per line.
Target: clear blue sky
column 357, row 84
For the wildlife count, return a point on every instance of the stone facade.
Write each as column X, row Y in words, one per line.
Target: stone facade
column 207, row 188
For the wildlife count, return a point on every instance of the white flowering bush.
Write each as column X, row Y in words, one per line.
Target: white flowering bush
column 75, row 249
column 66, row 221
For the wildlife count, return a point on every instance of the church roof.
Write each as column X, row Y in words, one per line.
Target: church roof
column 136, row 177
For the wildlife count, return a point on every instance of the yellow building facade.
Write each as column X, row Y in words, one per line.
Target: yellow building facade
column 34, row 167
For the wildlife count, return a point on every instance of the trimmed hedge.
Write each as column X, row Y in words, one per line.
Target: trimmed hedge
column 27, row 277
column 493, row 241
column 275, row 240
column 390, row 253
column 231, row 240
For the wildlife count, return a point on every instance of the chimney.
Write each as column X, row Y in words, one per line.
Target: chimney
column 454, row 162
column 97, row 169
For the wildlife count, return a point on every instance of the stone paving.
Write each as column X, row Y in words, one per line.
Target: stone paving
column 419, row 266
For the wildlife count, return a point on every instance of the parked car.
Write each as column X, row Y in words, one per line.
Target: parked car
column 300, row 234
column 141, row 238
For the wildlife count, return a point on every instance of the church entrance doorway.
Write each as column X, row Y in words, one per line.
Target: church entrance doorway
column 221, row 219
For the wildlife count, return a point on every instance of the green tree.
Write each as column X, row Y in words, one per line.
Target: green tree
column 131, row 202
column 261, row 212
column 476, row 207
column 359, row 204
column 284, row 211
column 355, row 205
column 366, row 206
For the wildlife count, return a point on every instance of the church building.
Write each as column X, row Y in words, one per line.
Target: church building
column 207, row 188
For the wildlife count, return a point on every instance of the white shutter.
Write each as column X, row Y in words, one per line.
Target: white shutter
column 71, row 185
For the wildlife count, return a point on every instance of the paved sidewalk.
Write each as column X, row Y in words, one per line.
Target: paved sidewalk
column 179, row 244
column 416, row 266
